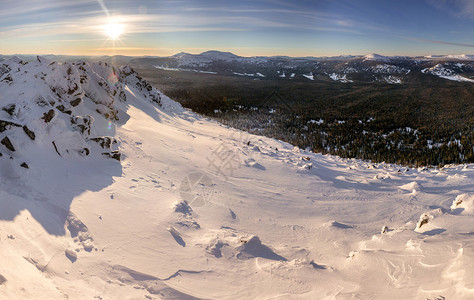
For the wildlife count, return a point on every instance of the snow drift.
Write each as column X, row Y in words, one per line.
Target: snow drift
column 110, row 190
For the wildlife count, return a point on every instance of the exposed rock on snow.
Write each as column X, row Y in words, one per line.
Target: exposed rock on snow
column 60, row 96
column 252, row 247
column 177, row 236
column 425, row 221
column 7, row 143
column 79, row 232
column 184, row 208
column 71, row 255
column 465, row 202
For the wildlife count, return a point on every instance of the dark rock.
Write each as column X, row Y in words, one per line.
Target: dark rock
column 122, row 96
column 10, row 109
column 82, row 123
column 47, row 117
column 104, row 141
column 62, row 109
column 7, row 143
column 29, row 133
column 56, row 148
column 41, row 102
column 84, row 152
column 4, row 125
column 75, row 102
column 71, row 91
column 114, row 154
column 24, row 165
column 8, row 79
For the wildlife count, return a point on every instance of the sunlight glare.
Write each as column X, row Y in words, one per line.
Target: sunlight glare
column 113, row 30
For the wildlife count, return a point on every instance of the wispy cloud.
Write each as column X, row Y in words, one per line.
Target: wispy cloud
column 159, row 23
column 438, row 42
column 124, row 49
column 459, row 8
column 322, row 25
column 19, row 8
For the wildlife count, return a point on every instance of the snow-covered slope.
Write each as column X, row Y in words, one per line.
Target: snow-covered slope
column 376, row 57
column 446, row 71
column 203, row 59
column 451, row 56
column 194, row 209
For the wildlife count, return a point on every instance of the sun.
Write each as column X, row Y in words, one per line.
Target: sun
column 113, row 30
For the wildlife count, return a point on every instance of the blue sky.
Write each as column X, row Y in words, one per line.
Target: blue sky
column 258, row 27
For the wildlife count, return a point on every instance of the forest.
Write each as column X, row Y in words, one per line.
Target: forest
column 427, row 122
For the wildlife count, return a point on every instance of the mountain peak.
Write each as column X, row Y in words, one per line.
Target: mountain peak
column 218, row 55
column 375, row 56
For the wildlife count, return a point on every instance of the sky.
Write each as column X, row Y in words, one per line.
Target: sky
column 244, row 27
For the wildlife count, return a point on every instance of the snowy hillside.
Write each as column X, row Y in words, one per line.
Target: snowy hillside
column 372, row 68
column 447, row 71
column 192, row 209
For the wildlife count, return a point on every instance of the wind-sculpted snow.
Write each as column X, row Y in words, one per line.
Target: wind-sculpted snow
column 197, row 210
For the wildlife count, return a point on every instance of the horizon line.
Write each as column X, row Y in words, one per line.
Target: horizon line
column 278, row 55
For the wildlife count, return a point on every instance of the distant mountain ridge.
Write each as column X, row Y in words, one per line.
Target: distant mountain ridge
column 345, row 68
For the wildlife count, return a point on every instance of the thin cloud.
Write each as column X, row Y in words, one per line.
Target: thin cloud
column 17, row 8
column 124, row 49
column 438, row 42
column 459, row 8
column 159, row 23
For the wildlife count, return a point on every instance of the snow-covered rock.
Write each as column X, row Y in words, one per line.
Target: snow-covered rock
column 338, row 77
column 65, row 108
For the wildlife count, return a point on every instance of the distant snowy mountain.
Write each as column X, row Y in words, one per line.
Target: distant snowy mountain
column 448, row 71
column 217, row 55
column 199, row 60
column 376, row 57
column 111, row 190
column 456, row 57
column 372, row 68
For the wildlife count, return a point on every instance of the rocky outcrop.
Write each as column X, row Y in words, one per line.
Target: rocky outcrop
column 7, row 143
column 48, row 116
column 69, row 103
column 29, row 133
column 5, row 125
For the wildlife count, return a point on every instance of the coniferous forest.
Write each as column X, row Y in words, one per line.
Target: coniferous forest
column 427, row 122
